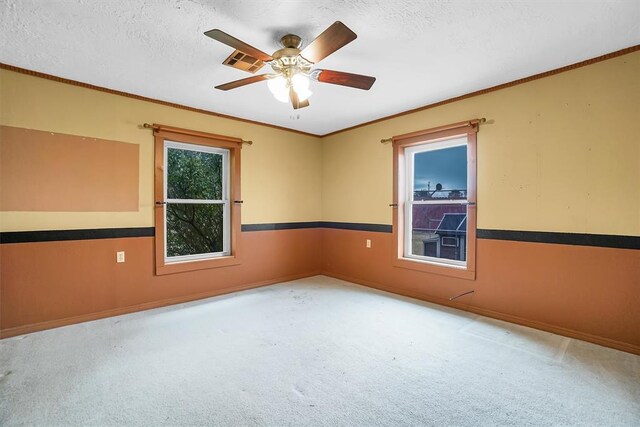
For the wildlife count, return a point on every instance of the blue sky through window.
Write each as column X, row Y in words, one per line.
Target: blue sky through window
column 447, row 166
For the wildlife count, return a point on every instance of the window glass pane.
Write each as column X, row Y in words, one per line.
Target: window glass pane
column 440, row 174
column 194, row 229
column 194, row 175
column 439, row 231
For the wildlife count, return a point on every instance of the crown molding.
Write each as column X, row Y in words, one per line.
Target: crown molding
column 570, row 67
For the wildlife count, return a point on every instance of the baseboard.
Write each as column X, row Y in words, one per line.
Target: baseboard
column 35, row 327
column 606, row 342
column 50, row 324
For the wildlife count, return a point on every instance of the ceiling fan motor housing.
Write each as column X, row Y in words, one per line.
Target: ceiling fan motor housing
column 291, row 41
column 287, row 61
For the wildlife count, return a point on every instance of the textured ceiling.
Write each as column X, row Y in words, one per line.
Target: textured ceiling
column 420, row 51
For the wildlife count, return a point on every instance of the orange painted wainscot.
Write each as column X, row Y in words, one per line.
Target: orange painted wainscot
column 584, row 292
column 50, row 284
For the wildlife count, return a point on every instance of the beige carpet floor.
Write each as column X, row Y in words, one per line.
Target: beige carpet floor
column 312, row 352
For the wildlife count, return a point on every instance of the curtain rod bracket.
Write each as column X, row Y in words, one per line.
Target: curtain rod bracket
column 156, row 128
column 470, row 123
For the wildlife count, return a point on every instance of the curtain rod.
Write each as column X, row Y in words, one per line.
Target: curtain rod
column 469, row 123
column 195, row 133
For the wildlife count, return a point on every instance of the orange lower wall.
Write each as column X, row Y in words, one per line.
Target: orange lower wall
column 590, row 293
column 49, row 284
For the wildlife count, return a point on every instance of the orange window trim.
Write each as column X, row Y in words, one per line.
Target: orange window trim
column 400, row 143
column 234, row 146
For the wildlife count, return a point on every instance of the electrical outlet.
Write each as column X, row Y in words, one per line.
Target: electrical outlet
column 368, row 243
column 120, row 256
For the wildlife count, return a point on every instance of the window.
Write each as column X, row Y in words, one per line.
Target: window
column 196, row 208
column 436, row 201
column 434, row 196
column 197, row 200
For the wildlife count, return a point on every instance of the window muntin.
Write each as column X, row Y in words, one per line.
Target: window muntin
column 197, row 205
column 436, row 205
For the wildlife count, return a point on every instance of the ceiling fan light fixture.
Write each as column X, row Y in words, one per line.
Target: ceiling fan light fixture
column 292, row 67
column 279, row 89
column 304, row 94
column 300, row 84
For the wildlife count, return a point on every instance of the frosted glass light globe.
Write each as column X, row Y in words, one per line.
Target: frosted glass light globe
column 279, row 89
column 300, row 84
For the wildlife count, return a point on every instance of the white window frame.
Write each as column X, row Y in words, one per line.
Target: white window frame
column 226, row 212
column 449, row 245
column 409, row 159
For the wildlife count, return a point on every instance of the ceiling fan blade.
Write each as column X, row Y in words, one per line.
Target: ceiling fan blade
column 225, row 38
column 242, row 82
column 295, row 101
column 346, row 79
column 331, row 39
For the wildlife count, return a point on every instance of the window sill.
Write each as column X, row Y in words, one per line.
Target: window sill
column 203, row 264
column 435, row 268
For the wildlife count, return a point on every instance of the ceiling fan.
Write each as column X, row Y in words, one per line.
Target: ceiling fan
column 292, row 67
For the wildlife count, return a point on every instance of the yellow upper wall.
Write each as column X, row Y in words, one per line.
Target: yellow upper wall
column 280, row 171
column 562, row 154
